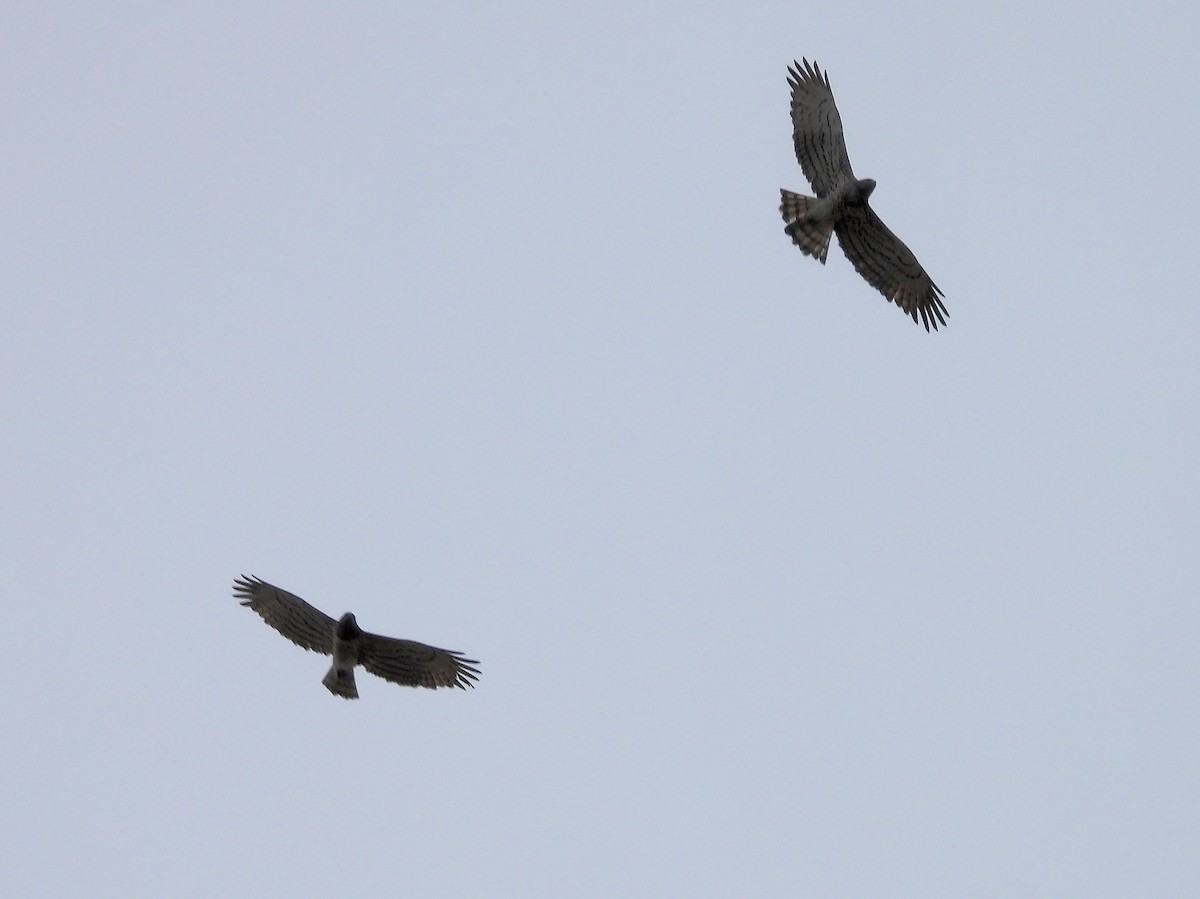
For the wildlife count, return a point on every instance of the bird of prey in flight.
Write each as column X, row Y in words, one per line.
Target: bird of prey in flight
column 840, row 205
column 400, row 661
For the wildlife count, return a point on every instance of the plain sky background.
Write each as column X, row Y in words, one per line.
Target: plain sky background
column 480, row 321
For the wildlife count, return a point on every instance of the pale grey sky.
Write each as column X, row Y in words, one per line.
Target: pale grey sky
column 483, row 325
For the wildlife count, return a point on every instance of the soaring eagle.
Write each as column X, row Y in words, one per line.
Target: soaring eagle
column 400, row 661
column 840, row 205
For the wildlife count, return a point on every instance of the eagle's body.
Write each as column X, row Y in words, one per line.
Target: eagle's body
column 347, row 643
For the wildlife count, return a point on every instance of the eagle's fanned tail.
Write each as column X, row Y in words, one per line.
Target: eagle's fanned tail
column 340, row 682
column 812, row 237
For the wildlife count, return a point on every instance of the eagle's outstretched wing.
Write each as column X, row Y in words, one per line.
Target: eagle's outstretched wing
column 287, row 613
column 415, row 664
column 888, row 265
column 817, row 129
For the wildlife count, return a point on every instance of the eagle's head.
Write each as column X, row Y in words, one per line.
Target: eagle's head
column 347, row 627
column 865, row 186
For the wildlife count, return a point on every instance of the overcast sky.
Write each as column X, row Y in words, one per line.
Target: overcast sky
column 480, row 321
